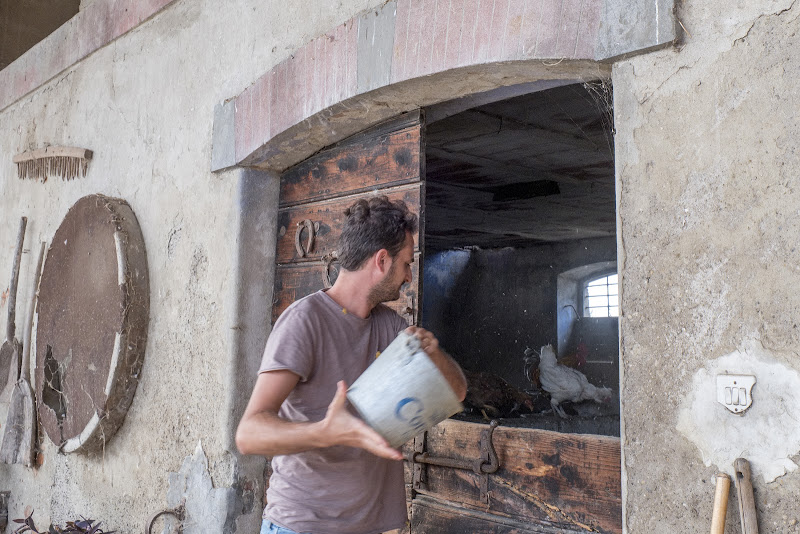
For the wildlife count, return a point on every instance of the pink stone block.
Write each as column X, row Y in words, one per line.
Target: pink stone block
column 587, row 32
column 399, row 55
column 549, row 28
column 294, row 89
column 497, row 27
column 427, row 36
column 441, row 17
column 242, row 121
column 350, row 86
column 275, row 103
column 483, row 31
column 513, row 34
column 335, row 72
column 569, row 27
column 415, row 37
column 280, row 114
column 453, row 44
column 316, row 84
column 469, row 22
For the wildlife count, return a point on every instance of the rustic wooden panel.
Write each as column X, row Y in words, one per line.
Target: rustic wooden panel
column 380, row 157
column 560, row 481
column 431, row 516
column 296, row 280
column 330, row 216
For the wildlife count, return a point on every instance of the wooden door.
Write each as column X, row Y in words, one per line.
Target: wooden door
column 384, row 160
column 547, row 482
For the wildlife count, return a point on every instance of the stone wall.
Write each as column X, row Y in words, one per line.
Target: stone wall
column 144, row 104
column 708, row 252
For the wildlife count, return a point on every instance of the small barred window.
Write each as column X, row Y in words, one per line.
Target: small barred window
column 601, row 298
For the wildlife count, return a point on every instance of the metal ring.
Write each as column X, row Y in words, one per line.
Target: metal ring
column 326, row 271
column 179, row 512
column 307, row 224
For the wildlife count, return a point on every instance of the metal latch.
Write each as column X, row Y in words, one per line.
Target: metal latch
column 487, row 463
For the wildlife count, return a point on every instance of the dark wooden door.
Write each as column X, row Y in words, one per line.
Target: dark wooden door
column 386, row 160
column 547, row 482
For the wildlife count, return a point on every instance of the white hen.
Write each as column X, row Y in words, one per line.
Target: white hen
column 566, row 384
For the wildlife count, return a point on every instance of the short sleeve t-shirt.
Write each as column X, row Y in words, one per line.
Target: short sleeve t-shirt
column 333, row 490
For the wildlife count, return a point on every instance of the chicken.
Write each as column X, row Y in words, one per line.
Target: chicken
column 494, row 397
column 564, row 383
column 576, row 360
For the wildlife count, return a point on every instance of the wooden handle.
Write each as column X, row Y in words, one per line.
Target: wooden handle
column 744, row 492
column 720, row 504
column 11, row 326
column 26, row 344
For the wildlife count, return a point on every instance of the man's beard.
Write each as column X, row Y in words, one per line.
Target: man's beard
column 385, row 290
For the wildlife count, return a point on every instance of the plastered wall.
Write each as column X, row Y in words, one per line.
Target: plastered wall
column 707, row 159
column 144, row 104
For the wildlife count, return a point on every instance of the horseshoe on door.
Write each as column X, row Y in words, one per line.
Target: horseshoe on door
column 312, row 229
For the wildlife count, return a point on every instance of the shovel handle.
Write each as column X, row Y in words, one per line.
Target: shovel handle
column 11, row 327
column 744, row 492
column 720, row 503
column 26, row 346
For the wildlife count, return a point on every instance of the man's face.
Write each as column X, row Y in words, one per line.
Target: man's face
column 399, row 274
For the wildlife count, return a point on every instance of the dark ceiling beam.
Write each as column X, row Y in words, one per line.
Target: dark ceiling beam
column 536, row 224
column 482, row 123
column 495, row 167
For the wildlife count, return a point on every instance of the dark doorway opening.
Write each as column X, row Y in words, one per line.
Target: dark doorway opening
column 520, row 215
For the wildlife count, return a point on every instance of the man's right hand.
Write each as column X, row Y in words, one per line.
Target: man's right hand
column 261, row 431
column 340, row 427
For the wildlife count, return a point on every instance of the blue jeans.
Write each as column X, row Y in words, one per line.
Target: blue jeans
column 268, row 527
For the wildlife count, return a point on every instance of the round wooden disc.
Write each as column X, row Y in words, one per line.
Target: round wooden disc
column 91, row 323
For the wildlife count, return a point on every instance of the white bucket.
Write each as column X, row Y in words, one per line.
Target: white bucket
column 402, row 392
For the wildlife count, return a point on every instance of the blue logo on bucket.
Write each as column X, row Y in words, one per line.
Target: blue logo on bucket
column 410, row 410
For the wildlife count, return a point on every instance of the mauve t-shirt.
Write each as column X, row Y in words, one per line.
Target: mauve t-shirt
column 333, row 490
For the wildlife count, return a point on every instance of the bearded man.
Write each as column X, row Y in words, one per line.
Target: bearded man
column 333, row 474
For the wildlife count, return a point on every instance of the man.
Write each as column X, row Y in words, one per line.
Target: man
column 333, row 474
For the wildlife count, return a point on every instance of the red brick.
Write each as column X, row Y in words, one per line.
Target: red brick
column 548, row 30
column 498, row 26
column 399, row 55
column 441, row 18
column 468, row 23
column 350, row 86
column 456, row 17
column 274, row 102
column 531, row 26
column 483, row 31
column 427, row 36
column 569, row 28
column 335, row 72
column 261, row 123
column 587, row 32
column 512, row 36
column 415, row 37
column 316, row 83
column 280, row 118
column 242, row 121
column 294, row 89
column 264, row 105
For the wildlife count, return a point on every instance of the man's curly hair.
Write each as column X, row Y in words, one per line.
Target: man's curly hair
column 373, row 224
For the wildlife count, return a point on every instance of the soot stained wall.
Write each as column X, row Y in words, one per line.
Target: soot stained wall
column 487, row 306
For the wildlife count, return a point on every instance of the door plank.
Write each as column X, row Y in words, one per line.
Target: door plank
column 330, row 216
column 566, row 480
column 376, row 160
column 294, row 281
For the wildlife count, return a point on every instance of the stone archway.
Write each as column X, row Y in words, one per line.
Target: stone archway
column 409, row 54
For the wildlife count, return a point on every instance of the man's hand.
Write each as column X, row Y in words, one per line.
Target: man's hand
column 261, row 431
column 447, row 365
column 340, row 427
